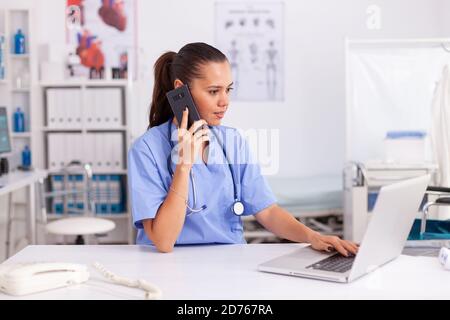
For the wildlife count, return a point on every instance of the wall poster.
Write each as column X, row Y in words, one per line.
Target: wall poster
column 251, row 36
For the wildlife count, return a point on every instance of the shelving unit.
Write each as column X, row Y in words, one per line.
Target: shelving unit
column 18, row 87
column 24, row 135
column 20, row 56
column 21, row 90
column 91, row 121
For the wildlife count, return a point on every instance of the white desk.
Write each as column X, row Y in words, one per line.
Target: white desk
column 20, row 179
column 229, row 272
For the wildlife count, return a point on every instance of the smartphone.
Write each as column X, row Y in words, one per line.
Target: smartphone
column 179, row 99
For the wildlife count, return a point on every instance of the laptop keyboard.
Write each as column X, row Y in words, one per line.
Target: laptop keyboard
column 335, row 263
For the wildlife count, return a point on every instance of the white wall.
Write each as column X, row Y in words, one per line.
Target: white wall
column 445, row 21
column 311, row 119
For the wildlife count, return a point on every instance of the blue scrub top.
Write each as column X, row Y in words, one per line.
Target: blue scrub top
column 149, row 181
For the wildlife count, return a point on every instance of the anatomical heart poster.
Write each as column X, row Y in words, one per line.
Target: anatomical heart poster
column 101, row 39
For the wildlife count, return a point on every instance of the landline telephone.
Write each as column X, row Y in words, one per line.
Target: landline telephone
column 26, row 278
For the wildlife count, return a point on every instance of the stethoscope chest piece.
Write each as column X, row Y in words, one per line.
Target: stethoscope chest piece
column 238, row 208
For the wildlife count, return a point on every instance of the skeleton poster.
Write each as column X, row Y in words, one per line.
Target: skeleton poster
column 251, row 36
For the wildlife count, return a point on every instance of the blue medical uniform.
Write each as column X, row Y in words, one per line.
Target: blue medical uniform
column 149, row 181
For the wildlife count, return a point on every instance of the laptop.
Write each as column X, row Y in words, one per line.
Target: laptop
column 391, row 221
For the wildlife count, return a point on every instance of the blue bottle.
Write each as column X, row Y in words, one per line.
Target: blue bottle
column 26, row 157
column 19, row 42
column 19, row 121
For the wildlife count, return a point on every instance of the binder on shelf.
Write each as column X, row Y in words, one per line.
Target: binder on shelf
column 51, row 108
column 116, row 151
column 78, row 150
column 96, row 192
column 78, row 113
column 53, row 151
column 64, row 148
column 98, row 152
column 89, row 149
column 88, row 108
column 105, row 143
column 72, row 108
column 108, row 194
column 114, row 106
column 58, row 108
column 103, row 108
column 117, row 195
column 103, row 193
column 74, row 148
column 69, row 140
column 57, row 202
column 63, row 108
column 96, row 109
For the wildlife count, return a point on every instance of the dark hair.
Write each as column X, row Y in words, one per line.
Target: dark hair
column 184, row 65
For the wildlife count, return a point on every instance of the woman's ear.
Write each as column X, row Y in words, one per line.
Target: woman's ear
column 177, row 83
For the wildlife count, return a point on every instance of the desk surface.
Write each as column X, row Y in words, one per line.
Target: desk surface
column 229, row 272
column 19, row 179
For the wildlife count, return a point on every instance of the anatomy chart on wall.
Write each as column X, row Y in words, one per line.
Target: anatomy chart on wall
column 101, row 38
column 251, row 36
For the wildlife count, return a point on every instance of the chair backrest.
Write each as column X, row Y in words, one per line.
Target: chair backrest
column 441, row 194
column 71, row 174
column 74, row 191
column 442, row 199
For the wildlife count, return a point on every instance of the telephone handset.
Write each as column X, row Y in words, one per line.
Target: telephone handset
column 179, row 99
column 25, row 278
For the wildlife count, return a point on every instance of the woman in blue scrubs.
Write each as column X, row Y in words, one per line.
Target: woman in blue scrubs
column 192, row 185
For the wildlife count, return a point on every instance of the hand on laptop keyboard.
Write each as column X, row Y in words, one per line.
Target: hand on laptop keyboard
column 324, row 243
column 335, row 263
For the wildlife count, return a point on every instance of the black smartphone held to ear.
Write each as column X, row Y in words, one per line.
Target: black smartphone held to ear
column 179, row 99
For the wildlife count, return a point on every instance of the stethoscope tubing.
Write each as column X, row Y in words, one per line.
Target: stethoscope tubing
column 230, row 167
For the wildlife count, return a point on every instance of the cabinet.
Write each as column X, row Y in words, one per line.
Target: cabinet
column 18, row 88
column 18, row 74
column 88, row 121
column 362, row 183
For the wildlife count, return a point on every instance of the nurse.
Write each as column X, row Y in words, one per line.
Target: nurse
column 193, row 185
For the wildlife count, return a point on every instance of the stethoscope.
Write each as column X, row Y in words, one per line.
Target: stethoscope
column 237, row 208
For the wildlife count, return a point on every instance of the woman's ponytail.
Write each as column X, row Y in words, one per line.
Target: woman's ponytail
column 185, row 66
column 160, row 110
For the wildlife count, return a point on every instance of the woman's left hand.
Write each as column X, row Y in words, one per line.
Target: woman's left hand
column 328, row 243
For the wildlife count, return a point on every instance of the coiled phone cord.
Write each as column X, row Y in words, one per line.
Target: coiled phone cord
column 151, row 291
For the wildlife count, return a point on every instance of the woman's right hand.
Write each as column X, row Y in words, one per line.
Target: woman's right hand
column 190, row 141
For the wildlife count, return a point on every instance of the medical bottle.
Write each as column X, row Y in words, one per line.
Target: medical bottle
column 19, row 120
column 19, row 42
column 26, row 157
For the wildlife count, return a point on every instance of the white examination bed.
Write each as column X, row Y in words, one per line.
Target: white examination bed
column 307, row 198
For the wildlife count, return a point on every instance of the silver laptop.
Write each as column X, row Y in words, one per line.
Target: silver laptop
column 392, row 218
